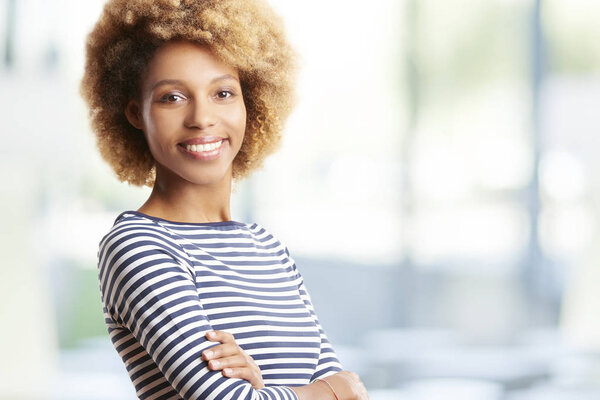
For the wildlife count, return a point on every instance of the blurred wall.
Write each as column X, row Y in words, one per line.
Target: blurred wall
column 439, row 173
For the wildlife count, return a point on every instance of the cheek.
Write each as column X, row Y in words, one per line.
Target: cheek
column 160, row 124
column 158, row 130
column 242, row 122
column 154, row 121
column 237, row 122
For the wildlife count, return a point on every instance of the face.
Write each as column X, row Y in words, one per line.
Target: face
column 192, row 113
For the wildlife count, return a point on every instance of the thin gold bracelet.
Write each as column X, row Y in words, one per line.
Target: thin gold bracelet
column 328, row 384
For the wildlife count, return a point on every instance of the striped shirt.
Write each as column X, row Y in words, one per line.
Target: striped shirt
column 165, row 284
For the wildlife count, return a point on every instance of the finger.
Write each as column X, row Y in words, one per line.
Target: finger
column 236, row 361
column 220, row 351
column 247, row 374
column 220, row 336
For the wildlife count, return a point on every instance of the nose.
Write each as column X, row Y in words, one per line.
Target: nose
column 201, row 114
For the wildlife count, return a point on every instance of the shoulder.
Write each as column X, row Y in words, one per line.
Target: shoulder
column 270, row 242
column 129, row 227
column 135, row 253
column 262, row 235
column 267, row 239
column 133, row 236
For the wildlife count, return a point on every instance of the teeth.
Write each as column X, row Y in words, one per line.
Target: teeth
column 198, row 148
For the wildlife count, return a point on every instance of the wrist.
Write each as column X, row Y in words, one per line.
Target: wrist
column 314, row 391
column 329, row 386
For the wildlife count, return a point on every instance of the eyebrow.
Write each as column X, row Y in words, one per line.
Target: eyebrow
column 224, row 78
column 180, row 82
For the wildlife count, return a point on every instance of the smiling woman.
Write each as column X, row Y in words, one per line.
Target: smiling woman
column 193, row 116
column 247, row 36
column 185, row 96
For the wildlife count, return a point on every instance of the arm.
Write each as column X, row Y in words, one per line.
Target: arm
column 348, row 385
column 328, row 363
column 343, row 385
column 231, row 359
column 147, row 290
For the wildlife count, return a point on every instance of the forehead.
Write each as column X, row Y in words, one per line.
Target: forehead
column 185, row 61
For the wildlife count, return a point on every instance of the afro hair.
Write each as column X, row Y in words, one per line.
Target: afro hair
column 245, row 34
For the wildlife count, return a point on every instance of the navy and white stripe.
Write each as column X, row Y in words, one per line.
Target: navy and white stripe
column 165, row 284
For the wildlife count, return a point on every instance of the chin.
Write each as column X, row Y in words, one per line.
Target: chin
column 209, row 177
column 210, row 174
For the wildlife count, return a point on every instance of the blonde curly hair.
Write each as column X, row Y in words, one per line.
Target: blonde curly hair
column 245, row 34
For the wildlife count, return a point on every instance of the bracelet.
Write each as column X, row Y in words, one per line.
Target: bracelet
column 328, row 384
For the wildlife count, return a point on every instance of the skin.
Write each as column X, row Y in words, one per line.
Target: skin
column 188, row 94
column 229, row 358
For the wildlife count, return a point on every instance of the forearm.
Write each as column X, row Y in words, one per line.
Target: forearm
column 344, row 385
column 314, row 391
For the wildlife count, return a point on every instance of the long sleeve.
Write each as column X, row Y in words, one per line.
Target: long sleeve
column 328, row 363
column 150, row 298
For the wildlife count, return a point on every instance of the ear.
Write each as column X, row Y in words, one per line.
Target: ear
column 133, row 113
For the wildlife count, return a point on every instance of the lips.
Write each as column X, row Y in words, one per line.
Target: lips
column 202, row 140
column 204, row 148
column 203, row 144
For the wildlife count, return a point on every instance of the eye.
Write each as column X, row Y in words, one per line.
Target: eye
column 224, row 94
column 172, row 98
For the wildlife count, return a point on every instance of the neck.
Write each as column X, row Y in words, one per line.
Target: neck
column 182, row 201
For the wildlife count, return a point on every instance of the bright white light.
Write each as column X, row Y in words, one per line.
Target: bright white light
column 440, row 171
column 341, row 230
column 333, row 189
column 503, row 163
column 486, row 232
column 71, row 231
column 566, row 231
column 562, row 176
column 354, row 178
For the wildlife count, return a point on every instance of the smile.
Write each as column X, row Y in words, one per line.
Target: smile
column 199, row 148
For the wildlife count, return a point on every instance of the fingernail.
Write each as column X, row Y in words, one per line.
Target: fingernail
column 215, row 364
column 228, row 371
column 208, row 354
column 211, row 333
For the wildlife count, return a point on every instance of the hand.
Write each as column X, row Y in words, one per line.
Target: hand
column 231, row 359
column 347, row 386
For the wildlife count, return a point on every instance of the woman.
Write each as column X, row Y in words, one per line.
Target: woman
column 186, row 96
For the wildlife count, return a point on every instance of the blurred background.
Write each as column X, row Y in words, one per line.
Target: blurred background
column 437, row 187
